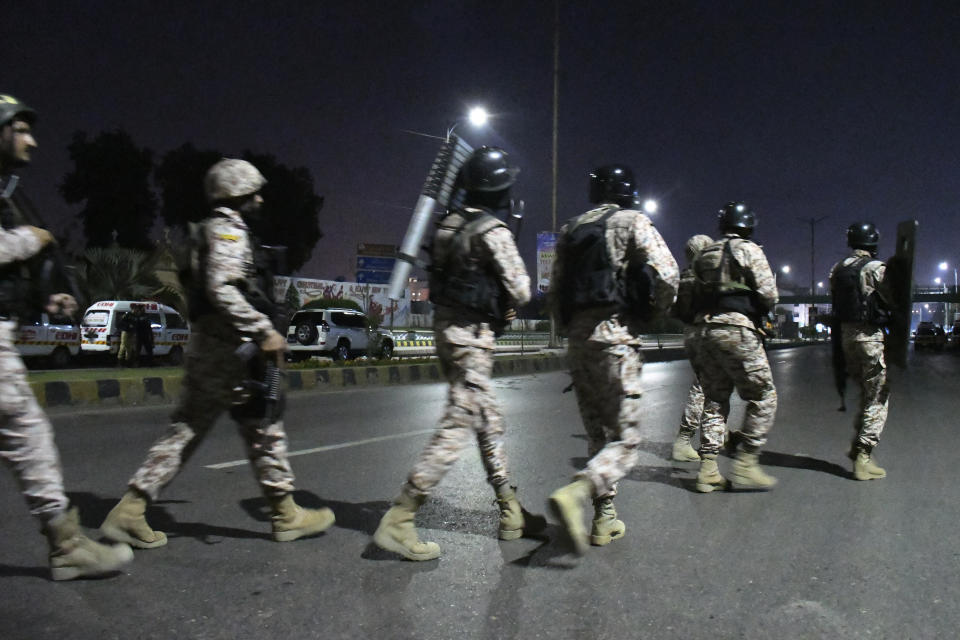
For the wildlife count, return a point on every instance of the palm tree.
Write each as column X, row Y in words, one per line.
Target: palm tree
column 115, row 273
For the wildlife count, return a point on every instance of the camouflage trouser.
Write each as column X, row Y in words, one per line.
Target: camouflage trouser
column 212, row 372
column 728, row 357
column 26, row 436
column 471, row 407
column 127, row 354
column 692, row 410
column 606, row 379
column 866, row 363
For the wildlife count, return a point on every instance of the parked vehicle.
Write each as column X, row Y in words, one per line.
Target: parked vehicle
column 57, row 340
column 338, row 333
column 929, row 336
column 100, row 334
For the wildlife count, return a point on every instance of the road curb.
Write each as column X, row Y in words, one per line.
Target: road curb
column 166, row 389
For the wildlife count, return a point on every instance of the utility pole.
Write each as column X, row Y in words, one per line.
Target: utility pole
column 556, row 117
column 813, row 225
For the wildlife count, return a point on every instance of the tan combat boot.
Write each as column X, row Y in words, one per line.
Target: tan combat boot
column 864, row 467
column 291, row 521
column 396, row 532
column 126, row 523
column 566, row 504
column 746, row 474
column 709, row 478
column 683, row 451
column 511, row 513
column 73, row 554
column 606, row 527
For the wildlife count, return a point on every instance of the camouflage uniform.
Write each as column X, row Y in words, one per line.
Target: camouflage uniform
column 863, row 351
column 26, row 436
column 693, row 407
column 213, row 370
column 465, row 345
column 728, row 354
column 604, row 349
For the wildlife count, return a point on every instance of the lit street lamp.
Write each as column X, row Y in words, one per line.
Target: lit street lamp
column 785, row 268
column 650, row 206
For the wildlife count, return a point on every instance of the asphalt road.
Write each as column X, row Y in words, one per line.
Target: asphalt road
column 821, row 556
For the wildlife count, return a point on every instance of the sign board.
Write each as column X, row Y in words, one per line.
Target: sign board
column 370, row 249
column 546, row 254
column 369, row 276
column 375, row 263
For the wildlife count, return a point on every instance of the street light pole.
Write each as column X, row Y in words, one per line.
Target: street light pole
column 813, row 223
column 554, row 342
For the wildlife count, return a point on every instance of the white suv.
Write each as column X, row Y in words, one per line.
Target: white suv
column 338, row 333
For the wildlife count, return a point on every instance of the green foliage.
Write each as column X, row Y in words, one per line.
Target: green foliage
column 327, row 303
column 180, row 179
column 123, row 274
column 111, row 177
column 291, row 209
column 292, row 297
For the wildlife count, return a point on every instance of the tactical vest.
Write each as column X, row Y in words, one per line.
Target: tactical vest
column 849, row 302
column 17, row 297
column 721, row 283
column 683, row 309
column 456, row 278
column 590, row 277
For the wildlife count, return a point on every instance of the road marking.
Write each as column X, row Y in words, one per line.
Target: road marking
column 329, row 447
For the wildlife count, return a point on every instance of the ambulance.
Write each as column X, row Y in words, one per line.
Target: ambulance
column 100, row 335
column 56, row 339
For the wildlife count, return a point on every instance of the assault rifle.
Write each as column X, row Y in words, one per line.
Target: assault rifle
column 264, row 380
column 17, row 211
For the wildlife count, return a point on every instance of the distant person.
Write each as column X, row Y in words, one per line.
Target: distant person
column 127, row 325
column 477, row 282
column 26, row 436
column 221, row 318
column 735, row 289
column 861, row 302
column 144, row 331
column 683, row 450
column 612, row 271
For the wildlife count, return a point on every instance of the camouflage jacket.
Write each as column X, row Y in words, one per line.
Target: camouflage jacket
column 630, row 236
column 756, row 270
column 872, row 278
column 229, row 266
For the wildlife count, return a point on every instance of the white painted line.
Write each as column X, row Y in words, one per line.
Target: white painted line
column 329, row 447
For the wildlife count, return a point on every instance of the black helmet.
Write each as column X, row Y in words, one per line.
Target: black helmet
column 11, row 108
column 487, row 170
column 613, row 183
column 737, row 217
column 863, row 235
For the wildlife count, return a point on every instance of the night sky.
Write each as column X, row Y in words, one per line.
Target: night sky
column 801, row 109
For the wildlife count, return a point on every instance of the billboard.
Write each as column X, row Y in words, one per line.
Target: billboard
column 546, row 254
column 372, row 298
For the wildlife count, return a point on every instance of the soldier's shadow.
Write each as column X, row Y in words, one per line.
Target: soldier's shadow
column 93, row 509
column 776, row 459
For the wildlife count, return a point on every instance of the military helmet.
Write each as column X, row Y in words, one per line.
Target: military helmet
column 613, row 183
column 232, row 178
column 737, row 217
column 11, row 108
column 863, row 235
column 695, row 245
column 487, row 170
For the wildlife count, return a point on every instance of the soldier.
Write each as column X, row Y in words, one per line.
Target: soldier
column 683, row 451
column 735, row 288
column 600, row 290
column 222, row 318
column 26, row 436
column 861, row 303
column 477, row 281
column 127, row 353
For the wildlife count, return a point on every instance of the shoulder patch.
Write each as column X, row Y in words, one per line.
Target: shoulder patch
column 229, row 237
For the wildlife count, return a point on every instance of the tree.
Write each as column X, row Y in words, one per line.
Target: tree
column 179, row 177
column 291, row 209
column 111, row 176
column 115, row 273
